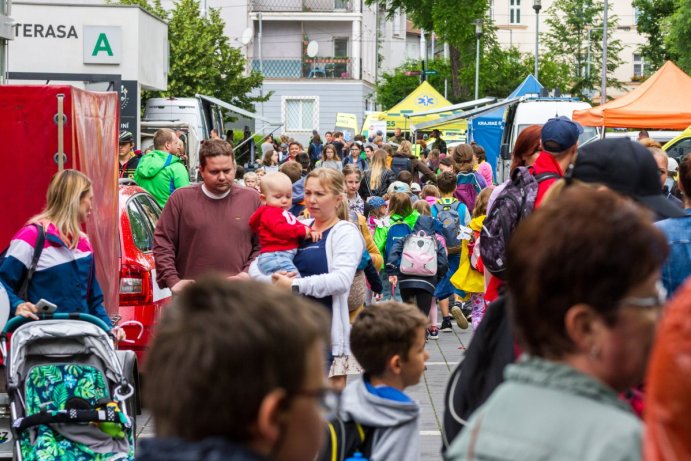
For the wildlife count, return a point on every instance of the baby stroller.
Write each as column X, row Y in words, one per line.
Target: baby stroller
column 67, row 392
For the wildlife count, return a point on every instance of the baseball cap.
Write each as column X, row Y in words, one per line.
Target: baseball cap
column 399, row 186
column 560, row 133
column 626, row 167
column 126, row 136
column 672, row 166
column 376, row 202
column 415, row 187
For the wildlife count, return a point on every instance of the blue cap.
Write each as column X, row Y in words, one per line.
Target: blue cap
column 560, row 133
column 376, row 202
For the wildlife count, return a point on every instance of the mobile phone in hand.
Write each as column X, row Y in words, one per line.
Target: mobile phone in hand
column 45, row 307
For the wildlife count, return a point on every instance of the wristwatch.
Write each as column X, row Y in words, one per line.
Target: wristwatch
column 295, row 288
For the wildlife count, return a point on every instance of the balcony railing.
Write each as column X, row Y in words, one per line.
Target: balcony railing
column 302, row 5
column 317, row 68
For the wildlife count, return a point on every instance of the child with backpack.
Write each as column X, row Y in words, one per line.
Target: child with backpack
column 416, row 262
column 430, row 193
column 413, row 257
column 469, row 182
column 388, row 341
column 450, row 215
column 470, row 274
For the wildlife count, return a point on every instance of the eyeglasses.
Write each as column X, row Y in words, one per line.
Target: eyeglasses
column 328, row 399
column 648, row 302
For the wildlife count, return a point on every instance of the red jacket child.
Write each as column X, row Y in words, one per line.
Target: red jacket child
column 278, row 230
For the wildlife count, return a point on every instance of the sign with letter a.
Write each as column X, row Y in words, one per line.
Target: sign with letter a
column 102, row 45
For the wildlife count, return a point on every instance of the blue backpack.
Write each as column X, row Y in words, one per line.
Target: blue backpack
column 397, row 231
column 316, row 151
column 448, row 215
column 467, row 189
column 399, row 164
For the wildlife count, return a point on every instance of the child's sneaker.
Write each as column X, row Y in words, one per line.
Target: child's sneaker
column 461, row 321
column 433, row 333
column 446, row 325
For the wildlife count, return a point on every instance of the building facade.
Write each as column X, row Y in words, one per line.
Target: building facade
column 515, row 21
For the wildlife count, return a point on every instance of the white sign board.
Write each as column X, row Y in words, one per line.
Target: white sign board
column 102, row 45
column 375, row 126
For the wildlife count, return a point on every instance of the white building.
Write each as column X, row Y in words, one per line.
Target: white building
column 92, row 46
column 318, row 57
column 515, row 20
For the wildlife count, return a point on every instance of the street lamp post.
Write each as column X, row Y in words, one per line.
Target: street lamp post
column 478, row 34
column 537, row 6
column 603, row 90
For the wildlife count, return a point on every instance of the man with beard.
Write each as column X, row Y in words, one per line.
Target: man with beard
column 205, row 227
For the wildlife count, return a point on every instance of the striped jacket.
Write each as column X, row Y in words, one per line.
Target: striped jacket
column 65, row 277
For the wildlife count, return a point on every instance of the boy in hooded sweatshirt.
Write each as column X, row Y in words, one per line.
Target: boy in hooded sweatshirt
column 388, row 341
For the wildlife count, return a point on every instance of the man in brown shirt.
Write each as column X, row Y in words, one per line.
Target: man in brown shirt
column 205, row 227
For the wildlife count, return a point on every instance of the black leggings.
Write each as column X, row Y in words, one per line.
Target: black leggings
column 422, row 298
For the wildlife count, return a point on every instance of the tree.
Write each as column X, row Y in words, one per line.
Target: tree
column 574, row 41
column 654, row 22
column 453, row 22
column 680, row 34
column 201, row 58
column 154, row 8
column 501, row 71
column 395, row 85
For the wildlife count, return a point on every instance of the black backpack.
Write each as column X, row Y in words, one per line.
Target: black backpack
column 514, row 204
column 344, row 439
column 399, row 164
column 481, row 371
column 23, row 292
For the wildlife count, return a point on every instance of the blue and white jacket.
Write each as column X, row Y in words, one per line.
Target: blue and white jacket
column 64, row 276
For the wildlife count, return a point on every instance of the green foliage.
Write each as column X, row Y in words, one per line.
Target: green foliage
column 654, row 24
column 453, row 22
column 568, row 46
column 501, row 71
column 679, row 36
column 202, row 61
column 155, row 8
column 394, row 86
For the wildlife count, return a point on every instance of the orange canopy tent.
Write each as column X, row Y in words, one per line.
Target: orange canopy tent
column 663, row 101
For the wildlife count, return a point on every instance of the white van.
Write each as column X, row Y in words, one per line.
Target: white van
column 197, row 112
column 536, row 111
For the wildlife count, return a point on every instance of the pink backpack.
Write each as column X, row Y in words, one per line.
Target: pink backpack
column 419, row 255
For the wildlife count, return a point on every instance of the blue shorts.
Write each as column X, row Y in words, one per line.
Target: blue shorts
column 444, row 288
column 277, row 261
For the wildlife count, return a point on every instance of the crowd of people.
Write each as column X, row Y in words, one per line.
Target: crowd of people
column 570, row 262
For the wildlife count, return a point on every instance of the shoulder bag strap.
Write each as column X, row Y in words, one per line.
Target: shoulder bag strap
column 38, row 249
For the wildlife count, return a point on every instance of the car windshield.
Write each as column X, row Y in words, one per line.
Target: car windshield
column 590, row 133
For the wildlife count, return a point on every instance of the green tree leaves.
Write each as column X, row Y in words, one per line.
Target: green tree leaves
column 679, row 36
column 574, row 42
column 654, row 23
column 202, row 61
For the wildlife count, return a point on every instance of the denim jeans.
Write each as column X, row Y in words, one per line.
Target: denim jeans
column 678, row 265
column 277, row 261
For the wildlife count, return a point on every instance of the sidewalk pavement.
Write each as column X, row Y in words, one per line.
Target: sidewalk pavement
column 445, row 353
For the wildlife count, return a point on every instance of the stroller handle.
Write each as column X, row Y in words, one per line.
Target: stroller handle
column 17, row 321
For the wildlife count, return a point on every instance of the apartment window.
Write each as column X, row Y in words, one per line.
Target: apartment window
column 300, row 114
column 397, row 23
column 514, row 11
column 491, row 10
column 636, row 15
column 341, row 46
column 639, row 65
